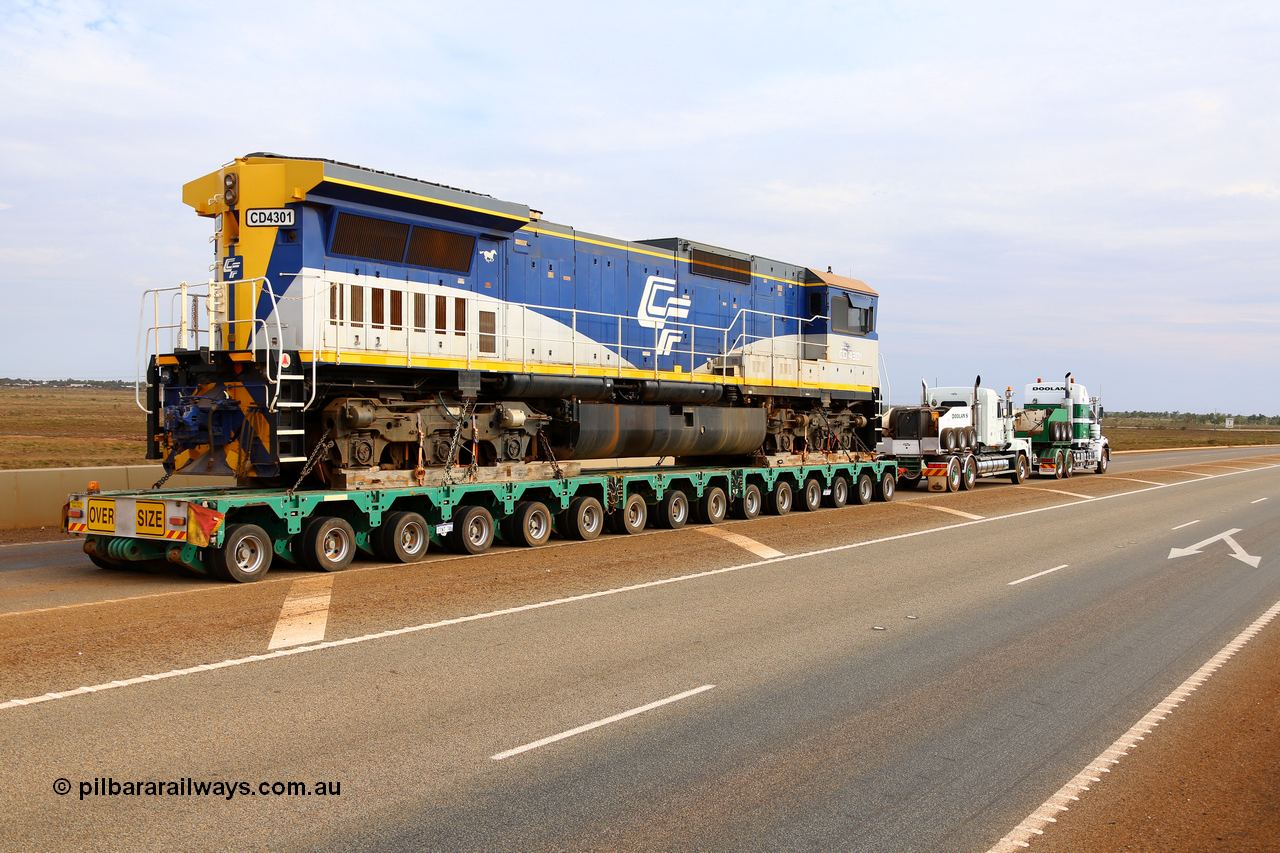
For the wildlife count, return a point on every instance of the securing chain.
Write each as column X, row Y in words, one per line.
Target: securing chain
column 164, row 479
column 321, row 448
column 455, row 442
column 420, row 473
column 555, row 466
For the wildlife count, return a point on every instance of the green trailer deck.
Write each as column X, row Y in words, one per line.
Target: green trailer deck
column 237, row 533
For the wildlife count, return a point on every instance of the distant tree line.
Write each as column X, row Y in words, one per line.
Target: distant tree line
column 1186, row 419
column 65, row 383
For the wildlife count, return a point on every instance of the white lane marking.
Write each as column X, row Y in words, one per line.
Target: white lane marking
column 1059, row 492
column 1043, row 816
column 606, row 721
column 1196, row 473
column 946, row 509
column 1188, row 524
column 1236, row 551
column 1037, row 574
column 396, row 632
column 1135, row 480
column 1258, row 501
column 305, row 613
column 757, row 548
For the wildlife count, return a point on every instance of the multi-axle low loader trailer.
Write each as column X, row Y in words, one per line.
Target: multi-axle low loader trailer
column 958, row 434
column 236, row 533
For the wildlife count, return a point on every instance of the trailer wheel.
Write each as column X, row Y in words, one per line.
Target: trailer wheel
column 327, row 545
column 245, row 554
column 779, row 500
column 865, row 490
column 748, row 506
column 631, row 518
column 529, row 526
column 1104, row 461
column 839, row 493
column 673, row 510
column 811, row 495
column 583, row 520
column 712, row 507
column 1021, row 470
column 104, row 563
column 969, row 472
column 954, row 475
column 472, row 530
column 886, row 487
column 401, row 538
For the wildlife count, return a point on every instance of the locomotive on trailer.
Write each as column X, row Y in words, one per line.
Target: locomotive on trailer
column 360, row 321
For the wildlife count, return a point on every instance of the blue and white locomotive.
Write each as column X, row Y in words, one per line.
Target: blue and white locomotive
column 361, row 321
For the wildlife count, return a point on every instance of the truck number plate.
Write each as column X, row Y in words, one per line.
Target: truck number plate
column 279, row 216
column 102, row 515
column 148, row 518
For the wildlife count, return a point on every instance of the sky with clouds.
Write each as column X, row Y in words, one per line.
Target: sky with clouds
column 1032, row 188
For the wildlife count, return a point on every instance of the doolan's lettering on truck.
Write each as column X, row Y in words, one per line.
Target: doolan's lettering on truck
column 1058, row 387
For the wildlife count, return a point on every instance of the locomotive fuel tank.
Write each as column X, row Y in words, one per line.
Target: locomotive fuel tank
column 602, row 431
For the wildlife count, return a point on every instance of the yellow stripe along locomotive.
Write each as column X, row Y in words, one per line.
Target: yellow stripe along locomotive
column 359, row 321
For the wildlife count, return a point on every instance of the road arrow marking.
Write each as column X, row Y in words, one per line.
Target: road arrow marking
column 1236, row 551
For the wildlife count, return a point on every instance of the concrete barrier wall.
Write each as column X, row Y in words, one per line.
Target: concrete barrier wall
column 33, row 497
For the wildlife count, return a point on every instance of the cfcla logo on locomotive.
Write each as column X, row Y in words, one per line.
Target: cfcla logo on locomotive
column 652, row 317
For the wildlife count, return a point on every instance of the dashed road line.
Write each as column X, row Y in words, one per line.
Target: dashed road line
column 1258, row 501
column 757, row 548
column 1037, row 574
column 598, row 723
column 1059, row 492
column 1197, row 473
column 305, row 613
column 1188, row 524
column 1136, row 480
column 1035, row 823
column 949, row 510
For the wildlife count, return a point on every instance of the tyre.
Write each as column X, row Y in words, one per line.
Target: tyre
column 631, row 518
column 972, row 435
column 1058, row 466
column 865, row 489
column 713, row 506
column 104, row 563
column 947, row 439
column 749, row 505
column 839, row 495
column 529, row 526
column 326, row 545
column 810, row 495
column 779, row 500
column 954, row 475
column 907, row 482
column 402, row 537
column 245, row 554
column 886, row 487
column 1104, row 461
column 1021, row 470
column 672, row 512
column 472, row 530
column 1069, row 469
column 583, row 520
column 969, row 473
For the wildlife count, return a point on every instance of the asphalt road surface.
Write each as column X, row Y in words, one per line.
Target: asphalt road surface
column 919, row 675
